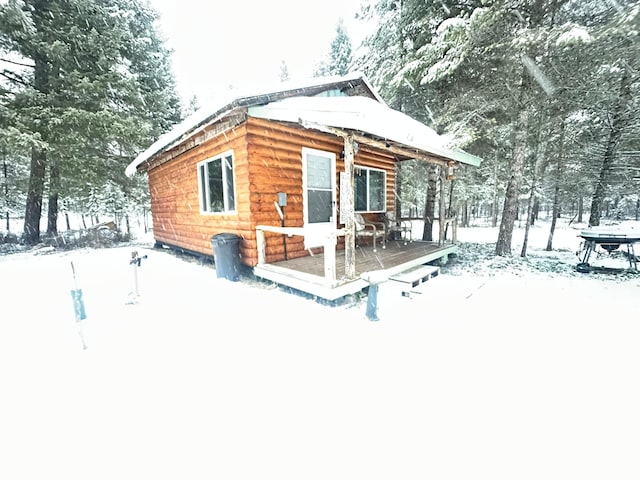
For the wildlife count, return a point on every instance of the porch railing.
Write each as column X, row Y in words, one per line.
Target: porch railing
column 330, row 243
column 453, row 221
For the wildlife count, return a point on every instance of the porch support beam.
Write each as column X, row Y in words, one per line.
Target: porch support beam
column 395, row 148
column 403, row 152
column 348, row 204
column 347, row 194
column 347, row 199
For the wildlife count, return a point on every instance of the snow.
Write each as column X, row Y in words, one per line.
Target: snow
column 450, row 23
column 221, row 106
column 361, row 114
column 576, row 34
column 502, row 368
column 448, row 63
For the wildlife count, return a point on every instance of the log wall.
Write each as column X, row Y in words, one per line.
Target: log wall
column 175, row 202
column 268, row 160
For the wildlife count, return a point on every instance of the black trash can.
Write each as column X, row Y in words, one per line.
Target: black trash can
column 226, row 254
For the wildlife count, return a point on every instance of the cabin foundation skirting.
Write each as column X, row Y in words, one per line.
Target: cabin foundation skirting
column 185, row 251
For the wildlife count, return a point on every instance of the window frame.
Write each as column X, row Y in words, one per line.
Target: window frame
column 204, row 192
column 368, row 189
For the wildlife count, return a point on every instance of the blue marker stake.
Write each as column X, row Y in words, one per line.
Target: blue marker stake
column 78, row 306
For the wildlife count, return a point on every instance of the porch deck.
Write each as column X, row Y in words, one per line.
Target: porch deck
column 307, row 273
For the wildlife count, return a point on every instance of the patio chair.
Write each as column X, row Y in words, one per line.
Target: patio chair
column 404, row 227
column 366, row 228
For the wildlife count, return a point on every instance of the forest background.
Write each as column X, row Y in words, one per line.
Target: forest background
column 545, row 91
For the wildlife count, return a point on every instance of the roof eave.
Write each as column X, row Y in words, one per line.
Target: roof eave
column 365, row 118
column 187, row 128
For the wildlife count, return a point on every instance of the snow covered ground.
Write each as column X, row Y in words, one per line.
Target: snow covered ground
column 504, row 368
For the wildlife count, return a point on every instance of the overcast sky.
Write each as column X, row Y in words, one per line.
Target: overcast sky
column 234, row 43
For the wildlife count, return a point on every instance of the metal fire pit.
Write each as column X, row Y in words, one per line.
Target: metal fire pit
column 610, row 240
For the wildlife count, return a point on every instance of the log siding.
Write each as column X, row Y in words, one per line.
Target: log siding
column 267, row 160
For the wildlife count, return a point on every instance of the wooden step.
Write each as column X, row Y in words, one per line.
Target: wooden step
column 417, row 275
column 413, row 278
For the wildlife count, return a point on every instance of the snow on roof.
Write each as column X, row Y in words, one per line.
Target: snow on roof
column 235, row 99
column 290, row 102
column 364, row 115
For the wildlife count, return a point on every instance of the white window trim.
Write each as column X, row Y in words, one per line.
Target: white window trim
column 384, row 189
column 225, row 200
column 332, row 157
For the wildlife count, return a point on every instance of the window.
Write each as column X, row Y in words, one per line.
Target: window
column 217, row 184
column 370, row 189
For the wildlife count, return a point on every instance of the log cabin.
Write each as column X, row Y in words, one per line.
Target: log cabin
column 290, row 171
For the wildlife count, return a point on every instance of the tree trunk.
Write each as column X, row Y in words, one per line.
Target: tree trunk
column 539, row 167
column 41, row 74
column 430, row 204
column 510, row 209
column 557, row 178
column 34, row 196
column 54, row 189
column 618, row 124
column 554, row 216
column 529, row 222
column 494, row 212
column 465, row 214
column 580, row 208
column 6, row 187
column 536, row 210
column 494, row 203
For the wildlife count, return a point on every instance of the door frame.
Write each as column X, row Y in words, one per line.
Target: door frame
column 319, row 231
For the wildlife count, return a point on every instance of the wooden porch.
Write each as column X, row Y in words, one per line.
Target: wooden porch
column 309, row 274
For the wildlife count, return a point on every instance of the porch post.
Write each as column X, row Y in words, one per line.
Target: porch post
column 262, row 246
column 348, row 204
column 441, row 223
column 330, row 259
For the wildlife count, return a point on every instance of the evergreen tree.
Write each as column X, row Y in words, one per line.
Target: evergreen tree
column 340, row 55
column 97, row 87
column 477, row 69
column 284, row 71
column 193, row 106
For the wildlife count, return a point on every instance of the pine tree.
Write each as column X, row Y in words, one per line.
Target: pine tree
column 340, row 55
column 97, row 87
column 475, row 69
column 284, row 72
